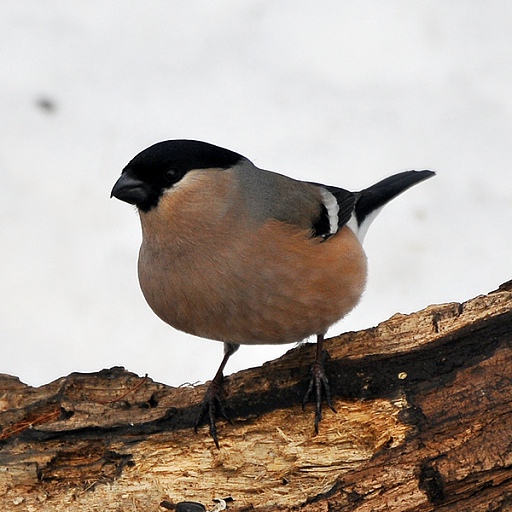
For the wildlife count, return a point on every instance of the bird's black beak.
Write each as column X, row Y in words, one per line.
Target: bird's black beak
column 129, row 189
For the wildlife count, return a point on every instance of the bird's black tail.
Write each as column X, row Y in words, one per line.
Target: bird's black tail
column 375, row 197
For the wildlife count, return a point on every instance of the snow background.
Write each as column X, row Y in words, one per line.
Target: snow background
column 344, row 93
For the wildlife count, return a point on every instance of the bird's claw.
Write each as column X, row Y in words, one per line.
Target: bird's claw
column 319, row 382
column 212, row 406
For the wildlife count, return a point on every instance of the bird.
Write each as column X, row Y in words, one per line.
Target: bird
column 243, row 255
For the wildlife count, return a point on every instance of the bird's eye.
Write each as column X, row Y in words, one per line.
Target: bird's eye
column 172, row 175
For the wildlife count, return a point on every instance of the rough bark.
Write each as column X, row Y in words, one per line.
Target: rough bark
column 423, row 422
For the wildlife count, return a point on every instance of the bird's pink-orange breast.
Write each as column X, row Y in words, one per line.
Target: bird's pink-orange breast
column 268, row 283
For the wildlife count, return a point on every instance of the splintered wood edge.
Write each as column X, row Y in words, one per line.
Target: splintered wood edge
column 401, row 333
column 274, row 460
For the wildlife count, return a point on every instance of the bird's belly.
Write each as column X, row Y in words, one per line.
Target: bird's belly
column 276, row 287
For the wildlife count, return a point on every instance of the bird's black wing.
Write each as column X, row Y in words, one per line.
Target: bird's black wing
column 346, row 203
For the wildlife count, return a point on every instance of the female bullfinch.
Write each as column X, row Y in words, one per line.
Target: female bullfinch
column 242, row 255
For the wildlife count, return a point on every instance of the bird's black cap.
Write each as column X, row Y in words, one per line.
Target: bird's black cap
column 184, row 155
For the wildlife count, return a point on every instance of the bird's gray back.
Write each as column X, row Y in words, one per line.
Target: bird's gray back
column 269, row 195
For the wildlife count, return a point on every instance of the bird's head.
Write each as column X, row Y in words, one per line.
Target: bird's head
column 161, row 166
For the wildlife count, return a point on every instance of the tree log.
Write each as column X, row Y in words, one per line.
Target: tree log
column 423, row 422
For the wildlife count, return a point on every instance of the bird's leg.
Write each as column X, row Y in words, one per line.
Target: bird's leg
column 212, row 403
column 319, row 382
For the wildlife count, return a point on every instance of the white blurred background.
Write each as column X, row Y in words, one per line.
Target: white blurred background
column 344, row 93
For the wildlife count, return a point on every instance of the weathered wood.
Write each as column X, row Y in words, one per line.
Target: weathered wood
column 423, row 422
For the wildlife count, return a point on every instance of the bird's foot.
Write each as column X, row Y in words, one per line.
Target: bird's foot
column 212, row 406
column 319, row 382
